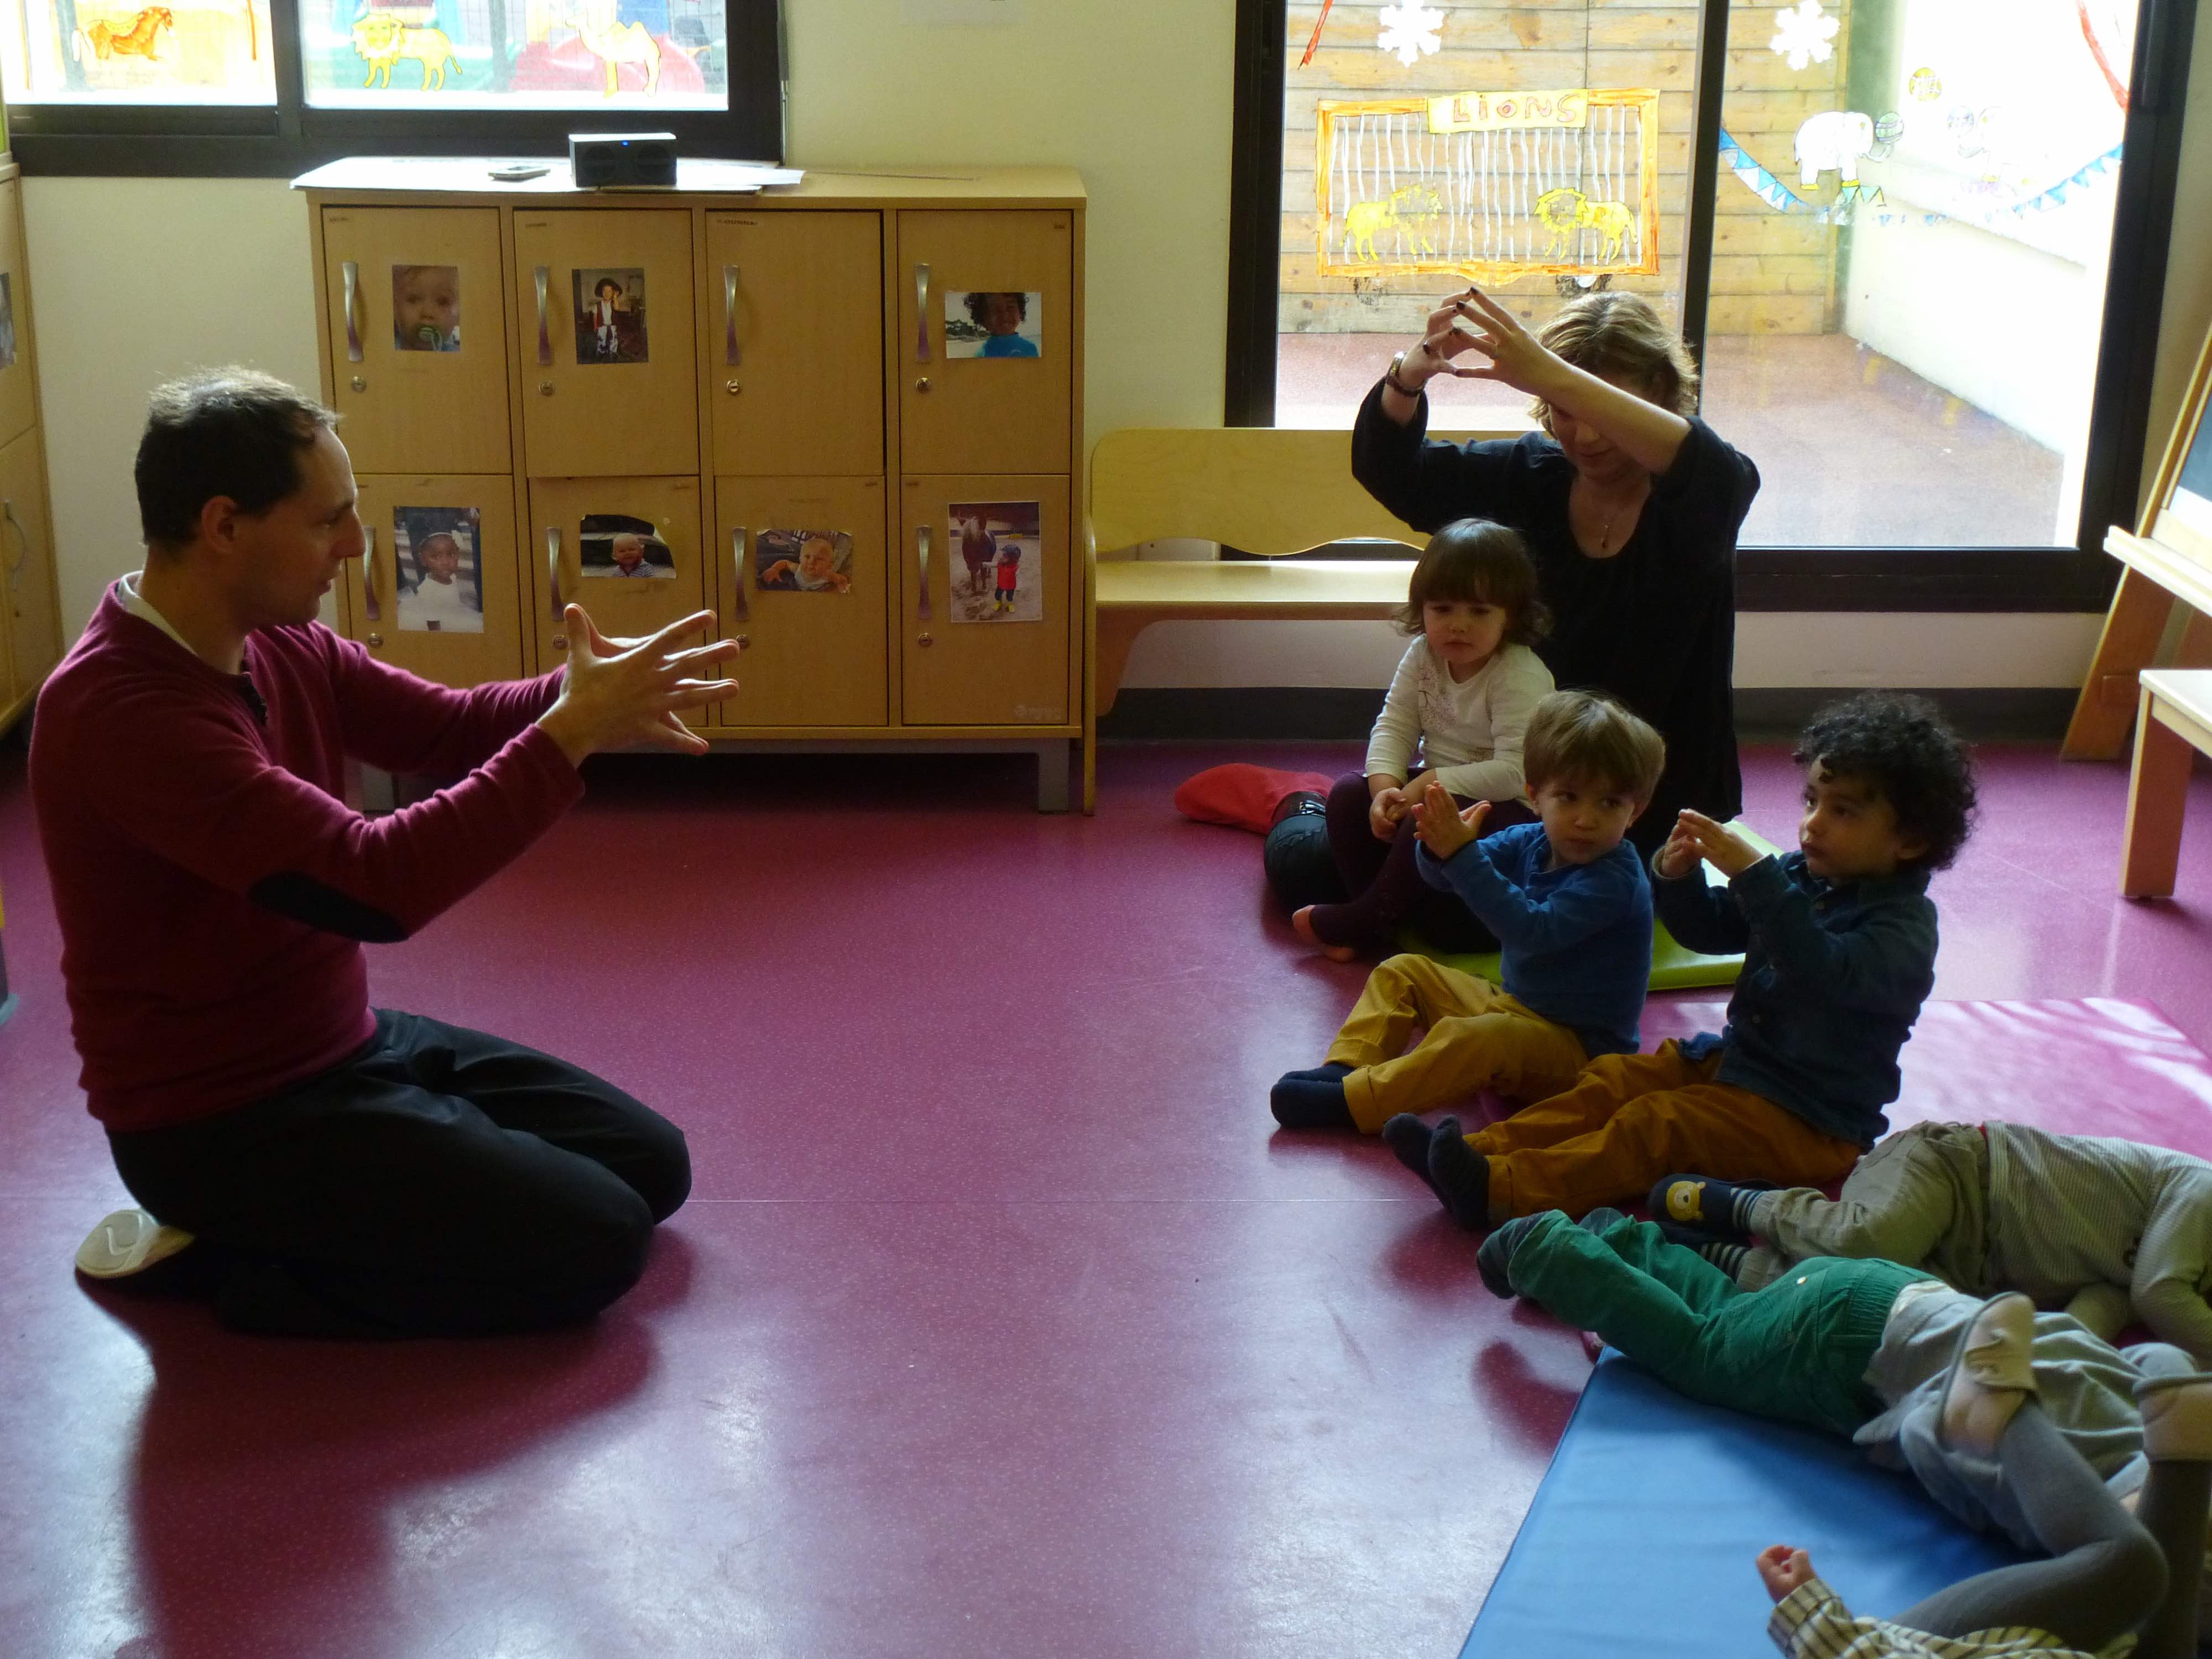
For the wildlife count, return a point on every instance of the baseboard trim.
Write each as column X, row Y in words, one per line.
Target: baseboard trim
column 1329, row 713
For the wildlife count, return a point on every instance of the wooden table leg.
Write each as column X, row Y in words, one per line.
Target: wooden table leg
column 2132, row 629
column 2158, row 791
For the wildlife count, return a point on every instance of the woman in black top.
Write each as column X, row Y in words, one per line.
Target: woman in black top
column 1629, row 503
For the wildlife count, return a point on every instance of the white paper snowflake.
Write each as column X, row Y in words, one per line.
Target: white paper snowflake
column 1414, row 31
column 1803, row 35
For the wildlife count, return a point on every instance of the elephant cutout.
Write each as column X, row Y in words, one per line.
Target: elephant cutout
column 1832, row 141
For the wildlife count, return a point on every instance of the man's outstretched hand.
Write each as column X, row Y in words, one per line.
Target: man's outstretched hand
column 622, row 693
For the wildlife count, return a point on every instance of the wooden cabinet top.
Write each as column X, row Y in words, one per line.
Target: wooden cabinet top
column 455, row 179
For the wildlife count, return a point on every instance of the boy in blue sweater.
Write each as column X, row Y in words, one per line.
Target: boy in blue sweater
column 1840, row 944
column 1571, row 908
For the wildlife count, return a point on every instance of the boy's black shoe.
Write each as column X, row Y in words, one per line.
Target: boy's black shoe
column 1494, row 1261
column 1460, row 1176
column 1311, row 1100
column 1694, row 1209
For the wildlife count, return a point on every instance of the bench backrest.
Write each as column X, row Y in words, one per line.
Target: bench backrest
column 1270, row 490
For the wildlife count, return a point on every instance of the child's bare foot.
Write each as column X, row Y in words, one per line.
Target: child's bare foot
column 1302, row 925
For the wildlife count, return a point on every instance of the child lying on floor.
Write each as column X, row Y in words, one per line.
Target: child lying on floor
column 1840, row 942
column 1861, row 1348
column 1569, row 902
column 2114, row 1581
column 2110, row 1230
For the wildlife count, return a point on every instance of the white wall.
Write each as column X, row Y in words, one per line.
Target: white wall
column 134, row 280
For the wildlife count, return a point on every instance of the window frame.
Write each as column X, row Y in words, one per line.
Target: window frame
column 289, row 137
column 2079, row 578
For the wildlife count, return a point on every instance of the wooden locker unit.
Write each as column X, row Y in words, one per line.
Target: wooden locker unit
column 30, row 610
column 394, row 510
column 406, row 408
column 810, row 659
column 787, row 337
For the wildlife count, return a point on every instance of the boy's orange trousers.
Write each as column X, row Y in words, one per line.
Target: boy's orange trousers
column 1630, row 1119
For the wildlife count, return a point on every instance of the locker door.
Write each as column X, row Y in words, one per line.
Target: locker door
column 804, row 588
column 627, row 550
column 973, row 285
column 418, row 337
column 436, row 591
column 34, row 616
column 796, row 300
column 610, row 344
column 967, row 657
column 18, row 397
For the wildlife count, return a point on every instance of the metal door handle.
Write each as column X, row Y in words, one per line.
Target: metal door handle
column 739, row 610
column 921, row 555
column 544, row 333
column 922, row 314
column 372, row 609
column 352, row 308
column 731, row 354
column 553, row 567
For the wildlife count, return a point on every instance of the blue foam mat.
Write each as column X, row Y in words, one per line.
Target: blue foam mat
column 1642, row 1536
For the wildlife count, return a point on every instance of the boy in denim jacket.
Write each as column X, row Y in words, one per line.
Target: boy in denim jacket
column 1840, row 942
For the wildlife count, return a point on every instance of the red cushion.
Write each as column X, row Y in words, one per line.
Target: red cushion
column 1243, row 797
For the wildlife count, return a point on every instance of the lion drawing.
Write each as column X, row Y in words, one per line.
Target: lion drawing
column 1567, row 211
column 137, row 41
column 1411, row 210
column 383, row 41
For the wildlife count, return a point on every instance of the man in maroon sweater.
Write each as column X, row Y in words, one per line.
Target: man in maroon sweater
column 318, row 1165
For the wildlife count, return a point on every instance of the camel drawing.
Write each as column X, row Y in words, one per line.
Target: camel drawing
column 613, row 43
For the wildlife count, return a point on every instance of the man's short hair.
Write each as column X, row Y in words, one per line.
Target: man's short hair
column 1581, row 737
column 231, row 432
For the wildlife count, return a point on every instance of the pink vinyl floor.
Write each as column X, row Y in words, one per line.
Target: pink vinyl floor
column 1000, row 1321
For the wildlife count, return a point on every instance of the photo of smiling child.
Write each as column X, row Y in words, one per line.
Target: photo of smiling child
column 1000, row 577
column 610, row 316
column 435, row 547
column 980, row 323
column 803, row 561
column 426, row 307
column 617, row 545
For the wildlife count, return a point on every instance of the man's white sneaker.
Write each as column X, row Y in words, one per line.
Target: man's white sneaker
column 126, row 1242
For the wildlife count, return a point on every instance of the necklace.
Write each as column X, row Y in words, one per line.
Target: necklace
column 1605, row 547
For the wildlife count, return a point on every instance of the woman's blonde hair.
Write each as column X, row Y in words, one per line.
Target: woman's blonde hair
column 1621, row 336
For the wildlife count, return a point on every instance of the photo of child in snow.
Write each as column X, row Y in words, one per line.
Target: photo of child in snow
column 1000, row 575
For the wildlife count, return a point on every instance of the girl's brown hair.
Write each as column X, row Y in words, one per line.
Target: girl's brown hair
column 1473, row 559
column 1619, row 337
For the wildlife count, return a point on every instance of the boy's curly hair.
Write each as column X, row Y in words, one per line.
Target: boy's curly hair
column 1904, row 746
column 1476, row 560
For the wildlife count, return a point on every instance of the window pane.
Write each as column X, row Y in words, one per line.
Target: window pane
column 1539, row 151
column 1908, row 276
column 516, row 54
column 92, row 52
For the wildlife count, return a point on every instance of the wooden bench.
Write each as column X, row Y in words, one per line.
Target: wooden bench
column 2173, row 725
column 1273, row 491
